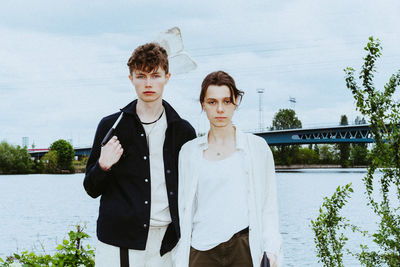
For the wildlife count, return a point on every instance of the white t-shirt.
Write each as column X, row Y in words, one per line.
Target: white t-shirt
column 159, row 209
column 222, row 203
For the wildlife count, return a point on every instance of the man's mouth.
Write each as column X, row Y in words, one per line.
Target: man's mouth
column 148, row 92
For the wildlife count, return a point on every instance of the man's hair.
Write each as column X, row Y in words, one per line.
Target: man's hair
column 148, row 58
column 221, row 78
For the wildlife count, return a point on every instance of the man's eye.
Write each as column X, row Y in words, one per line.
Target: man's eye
column 156, row 76
column 140, row 77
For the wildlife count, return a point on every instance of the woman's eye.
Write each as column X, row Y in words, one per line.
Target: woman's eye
column 211, row 102
column 227, row 101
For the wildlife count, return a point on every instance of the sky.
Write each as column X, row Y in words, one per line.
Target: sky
column 63, row 63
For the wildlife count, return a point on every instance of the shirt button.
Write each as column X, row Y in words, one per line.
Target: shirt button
column 146, row 180
column 144, row 157
column 145, row 225
column 168, row 171
column 146, row 202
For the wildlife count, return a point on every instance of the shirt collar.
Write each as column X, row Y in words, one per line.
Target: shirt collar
column 172, row 115
column 240, row 140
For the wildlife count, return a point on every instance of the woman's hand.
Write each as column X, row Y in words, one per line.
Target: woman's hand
column 110, row 154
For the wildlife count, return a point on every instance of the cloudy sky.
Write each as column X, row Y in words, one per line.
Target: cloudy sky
column 63, row 63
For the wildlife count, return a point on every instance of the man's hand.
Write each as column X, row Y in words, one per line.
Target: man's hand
column 272, row 260
column 110, row 154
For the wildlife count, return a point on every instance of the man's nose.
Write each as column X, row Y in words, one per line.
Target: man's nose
column 148, row 82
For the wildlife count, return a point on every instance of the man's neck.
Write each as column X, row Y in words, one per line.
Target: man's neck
column 149, row 111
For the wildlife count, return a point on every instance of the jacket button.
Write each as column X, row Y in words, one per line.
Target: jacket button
column 142, row 135
column 168, row 171
column 146, row 202
column 144, row 225
column 171, row 193
column 146, row 180
column 144, row 157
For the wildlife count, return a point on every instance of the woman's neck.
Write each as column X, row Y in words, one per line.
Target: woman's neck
column 149, row 111
column 221, row 135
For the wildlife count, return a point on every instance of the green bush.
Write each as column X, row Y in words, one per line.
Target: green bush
column 70, row 253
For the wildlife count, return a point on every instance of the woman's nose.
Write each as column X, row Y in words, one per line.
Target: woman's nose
column 220, row 108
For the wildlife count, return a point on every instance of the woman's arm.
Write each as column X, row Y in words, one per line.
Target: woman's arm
column 271, row 235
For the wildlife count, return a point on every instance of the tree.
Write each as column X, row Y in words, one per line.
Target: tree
column 383, row 197
column 14, row 159
column 65, row 153
column 359, row 152
column 50, row 162
column 285, row 119
column 343, row 148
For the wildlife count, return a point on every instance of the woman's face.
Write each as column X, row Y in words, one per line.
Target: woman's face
column 218, row 106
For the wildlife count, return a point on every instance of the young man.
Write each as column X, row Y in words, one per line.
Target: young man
column 136, row 172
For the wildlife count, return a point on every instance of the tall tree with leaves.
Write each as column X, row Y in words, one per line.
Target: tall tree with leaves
column 382, row 189
column 359, row 152
column 285, row 119
column 343, row 148
column 65, row 153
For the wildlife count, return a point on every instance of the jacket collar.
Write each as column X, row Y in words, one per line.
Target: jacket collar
column 172, row 115
column 240, row 140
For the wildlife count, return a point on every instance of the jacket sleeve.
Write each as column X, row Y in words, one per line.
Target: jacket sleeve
column 179, row 252
column 95, row 178
column 271, row 236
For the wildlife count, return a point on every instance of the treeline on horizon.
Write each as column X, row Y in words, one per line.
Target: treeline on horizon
column 59, row 159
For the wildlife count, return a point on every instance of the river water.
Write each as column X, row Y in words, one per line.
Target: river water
column 37, row 211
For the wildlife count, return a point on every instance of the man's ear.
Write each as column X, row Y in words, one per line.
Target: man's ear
column 167, row 76
column 130, row 77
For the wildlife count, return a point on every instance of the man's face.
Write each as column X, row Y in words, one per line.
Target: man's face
column 149, row 86
column 218, row 106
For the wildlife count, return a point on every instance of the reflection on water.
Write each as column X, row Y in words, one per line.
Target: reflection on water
column 41, row 209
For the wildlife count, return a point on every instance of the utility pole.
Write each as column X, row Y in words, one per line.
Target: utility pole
column 260, row 92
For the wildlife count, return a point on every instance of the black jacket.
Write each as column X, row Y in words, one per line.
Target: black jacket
column 124, row 217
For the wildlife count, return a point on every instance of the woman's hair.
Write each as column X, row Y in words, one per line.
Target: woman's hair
column 148, row 58
column 220, row 78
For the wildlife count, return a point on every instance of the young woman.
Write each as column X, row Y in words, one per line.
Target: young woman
column 227, row 191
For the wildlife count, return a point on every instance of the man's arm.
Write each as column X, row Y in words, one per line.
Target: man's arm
column 100, row 161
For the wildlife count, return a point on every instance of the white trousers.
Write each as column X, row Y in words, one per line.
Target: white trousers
column 108, row 255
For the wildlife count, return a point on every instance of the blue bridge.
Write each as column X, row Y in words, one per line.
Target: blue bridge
column 324, row 135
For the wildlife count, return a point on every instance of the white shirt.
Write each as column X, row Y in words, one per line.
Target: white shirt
column 159, row 207
column 264, row 232
column 221, row 209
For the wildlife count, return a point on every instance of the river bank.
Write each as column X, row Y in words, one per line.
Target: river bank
column 315, row 166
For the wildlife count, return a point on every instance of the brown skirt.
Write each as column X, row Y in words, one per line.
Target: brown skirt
column 233, row 253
